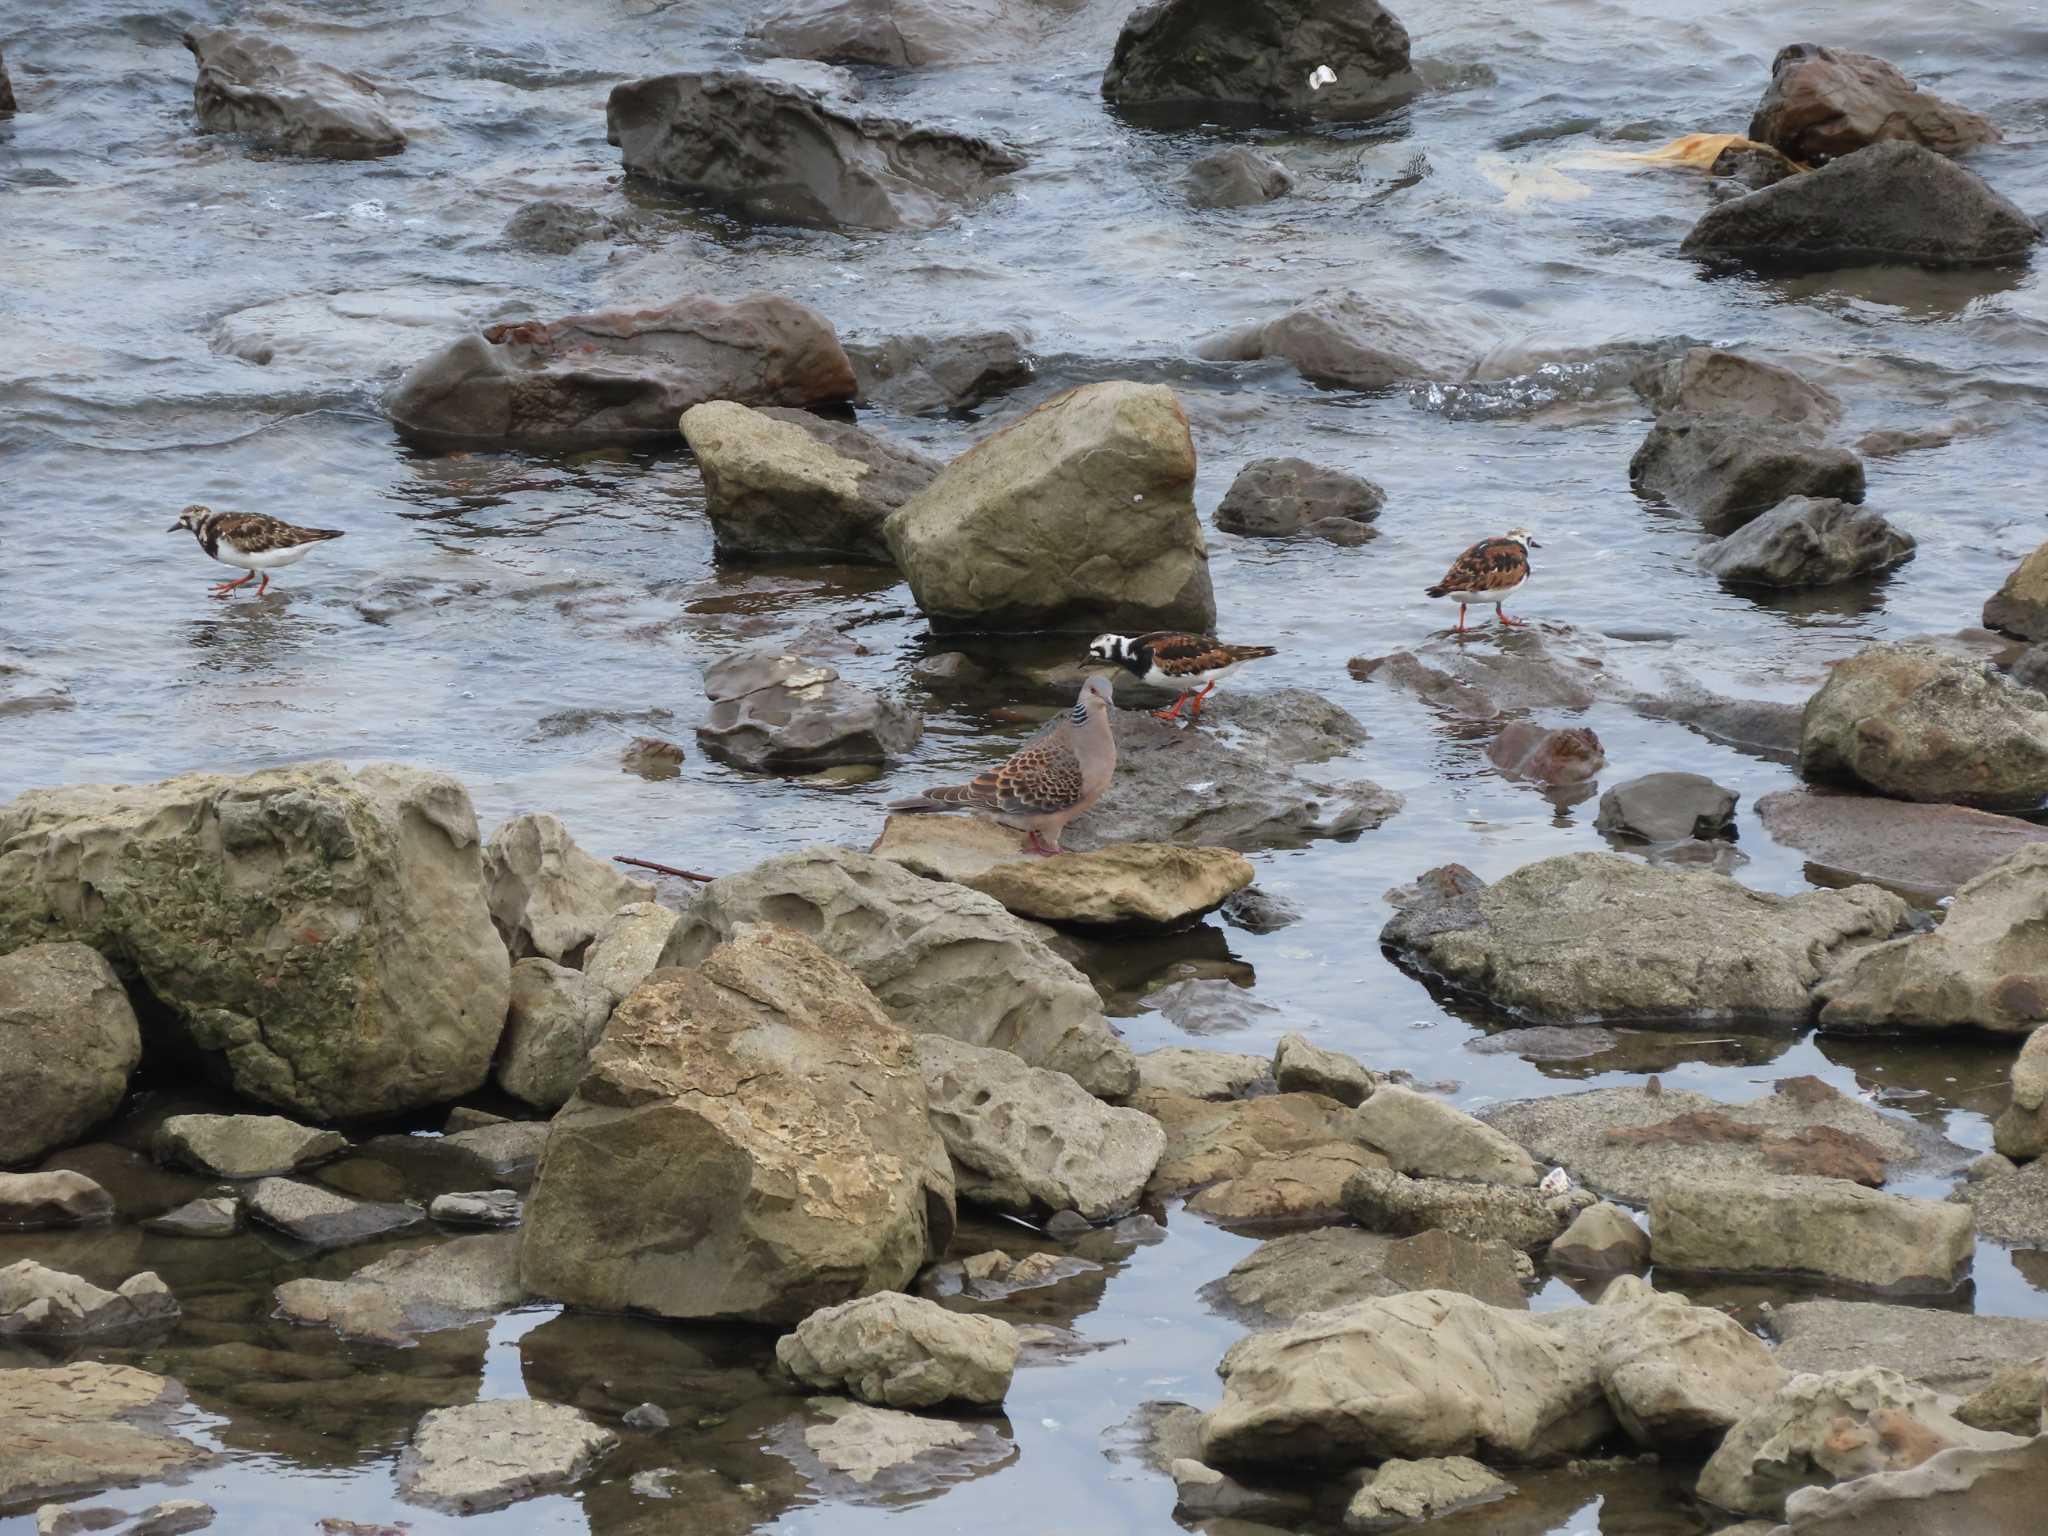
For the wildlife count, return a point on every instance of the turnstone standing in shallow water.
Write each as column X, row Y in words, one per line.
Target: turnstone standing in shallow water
column 256, row 543
column 1491, row 571
column 1047, row 783
column 1171, row 658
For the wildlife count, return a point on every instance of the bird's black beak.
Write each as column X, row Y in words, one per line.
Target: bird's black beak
column 174, row 528
column 1534, row 545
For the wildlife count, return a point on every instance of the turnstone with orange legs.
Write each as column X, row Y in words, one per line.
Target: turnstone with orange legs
column 1047, row 783
column 1171, row 658
column 255, row 543
column 1491, row 571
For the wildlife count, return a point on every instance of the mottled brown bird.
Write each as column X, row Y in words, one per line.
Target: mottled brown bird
column 249, row 540
column 1491, row 571
column 1172, row 658
column 1047, row 783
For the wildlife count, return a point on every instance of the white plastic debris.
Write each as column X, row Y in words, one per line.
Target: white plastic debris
column 1555, row 1182
column 1323, row 76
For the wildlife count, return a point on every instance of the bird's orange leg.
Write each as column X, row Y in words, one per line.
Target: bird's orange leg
column 224, row 588
column 263, row 586
column 1461, row 620
column 1173, row 713
column 1502, row 614
column 1195, row 710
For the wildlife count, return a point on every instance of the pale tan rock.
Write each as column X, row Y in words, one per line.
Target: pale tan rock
column 68, row 1042
column 548, row 897
column 1307, row 1185
column 482, row 1456
column 1421, row 1135
column 1302, row 1066
column 2022, row 1130
column 899, row 1351
column 1789, row 1224
column 77, row 1428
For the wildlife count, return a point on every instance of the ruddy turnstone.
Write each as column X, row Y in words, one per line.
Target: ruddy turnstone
column 1491, row 571
column 1045, row 784
column 256, row 543
column 1171, row 658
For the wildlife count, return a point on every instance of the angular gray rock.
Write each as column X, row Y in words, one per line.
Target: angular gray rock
column 68, row 1041
column 1211, row 56
column 59, row 1198
column 323, row 1218
column 782, row 153
column 41, row 1303
column 1602, row 1238
column 1027, row 1141
column 483, row 1456
column 1381, row 1200
column 250, row 85
column 1350, row 340
column 1792, row 1224
column 1238, row 177
column 214, row 1216
column 2020, row 605
column 1893, row 203
column 478, row 1208
column 899, row 1351
column 1985, row 967
column 1422, row 1136
column 1804, row 542
column 1271, row 498
column 556, row 1018
column 1303, row 1272
column 1823, row 103
column 1955, row 1353
column 628, row 946
column 784, row 484
column 940, row 958
column 1708, row 381
column 294, row 922
column 772, row 712
column 245, row 1146
column 1928, row 849
column 922, row 375
column 1582, row 938
column 1302, row 1066
column 415, row 1291
column 1668, row 808
column 620, row 375
column 1920, row 723
column 1730, row 470
column 548, row 897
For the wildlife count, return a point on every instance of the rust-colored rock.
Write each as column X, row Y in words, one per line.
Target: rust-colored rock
column 1822, row 103
column 1569, row 755
column 1818, row 1150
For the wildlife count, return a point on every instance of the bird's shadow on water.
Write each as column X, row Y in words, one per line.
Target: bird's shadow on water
column 249, row 635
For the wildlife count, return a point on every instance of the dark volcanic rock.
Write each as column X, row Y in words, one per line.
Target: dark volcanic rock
column 1891, row 203
column 1349, row 341
column 1822, row 103
column 1273, row 497
column 248, row 84
column 1728, row 470
column 621, row 375
column 957, row 371
column 1807, row 542
column 780, row 153
column 1236, row 178
column 1668, row 808
column 1201, row 55
column 773, row 712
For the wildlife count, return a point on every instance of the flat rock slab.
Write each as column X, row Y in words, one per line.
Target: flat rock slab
column 325, row 1219
column 421, row 1290
column 245, row 1146
column 1305, row 1272
column 2011, row 1208
column 851, row 1451
column 487, row 1455
column 1789, row 1225
column 478, row 1208
column 1925, row 851
column 1627, row 1143
column 1952, row 1352
column 1198, row 1074
column 58, row 1198
column 79, row 1428
column 211, row 1216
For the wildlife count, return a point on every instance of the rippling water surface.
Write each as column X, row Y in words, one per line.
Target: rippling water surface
column 514, row 618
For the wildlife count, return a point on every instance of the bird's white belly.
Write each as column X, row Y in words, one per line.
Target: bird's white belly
column 263, row 560
column 1160, row 679
column 1497, row 595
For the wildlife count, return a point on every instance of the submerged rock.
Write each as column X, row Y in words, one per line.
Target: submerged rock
column 1271, row 498
column 888, row 34
column 558, row 227
column 478, row 1208
column 1730, row 470
column 68, row 1041
column 556, row 1018
column 863, row 1452
column 1787, row 1224
column 59, row 1198
column 7, row 102
column 2020, row 606
column 620, row 375
column 1351, row 341
column 902, row 1352
column 772, row 712
column 1892, row 203
column 548, row 897
column 948, row 371
column 1823, row 103
column 1805, row 542
column 940, row 958
column 1668, row 808
column 77, row 1428
column 295, row 922
column 1539, row 755
column 1595, row 936
column 415, row 1291
column 1304, row 1272
column 1709, row 381
column 1201, row 56
column 787, row 484
column 245, row 1146
column 1400, row 1491
column 483, row 1456
column 1079, row 515
column 1237, row 177
column 1929, row 849
column 48, row 1304
column 217, row 1216
column 781, row 153
column 248, row 84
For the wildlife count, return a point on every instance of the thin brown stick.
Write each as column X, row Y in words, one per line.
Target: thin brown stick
column 664, row 869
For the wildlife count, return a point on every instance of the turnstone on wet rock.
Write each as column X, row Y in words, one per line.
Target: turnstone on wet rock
column 1491, row 571
column 255, row 543
column 1047, row 783
column 1169, row 658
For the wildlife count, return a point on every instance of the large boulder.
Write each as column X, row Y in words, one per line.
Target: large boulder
column 888, row 34
column 941, row 959
column 1590, row 936
column 1674, row 1374
column 946, row 371
column 1893, row 203
column 1303, row 1272
column 68, row 1040
column 1729, row 470
column 784, row 484
column 1708, row 381
column 1274, row 497
column 2020, row 607
column 901, row 1352
column 1918, row 722
column 1808, row 542
column 548, row 897
column 1792, row 1224
column 1209, row 56
column 1823, row 103
column 620, row 375
column 2022, row 1130
column 555, row 1020
column 773, row 712
column 1926, row 849
column 1030, row 1141
column 782, row 153
column 250, row 85
column 773, row 1076
column 1080, row 515
column 1351, row 340
column 1985, row 967
column 1819, row 1430
column 296, row 923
